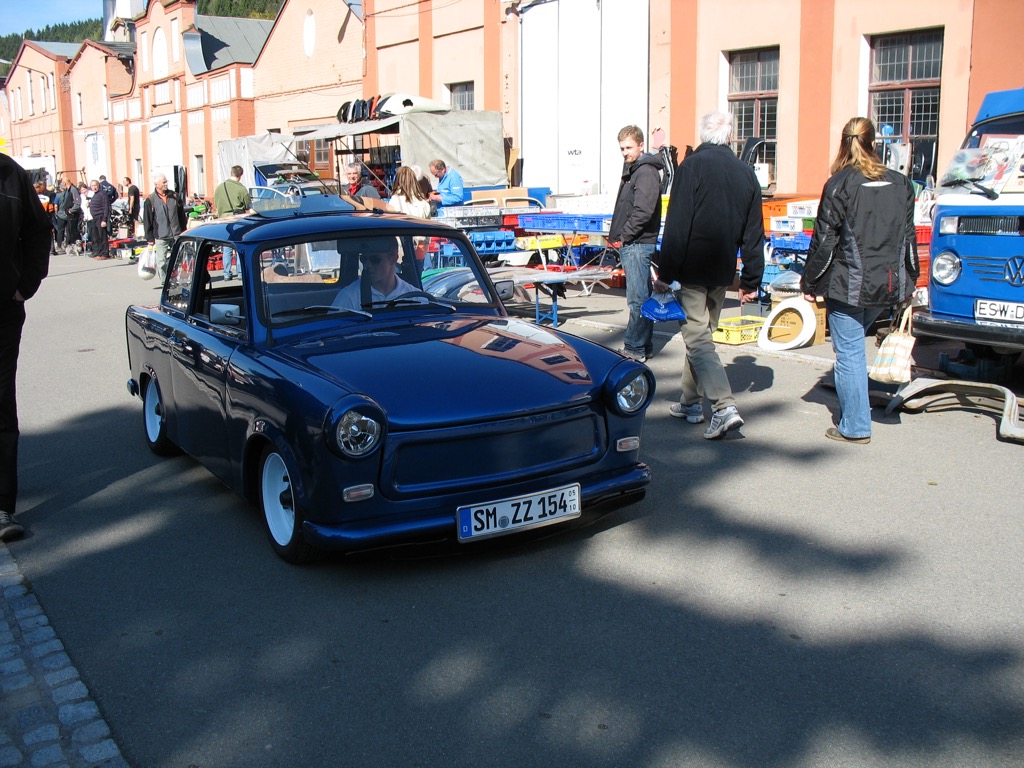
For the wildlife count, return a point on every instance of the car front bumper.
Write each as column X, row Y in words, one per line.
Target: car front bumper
column 927, row 324
column 625, row 485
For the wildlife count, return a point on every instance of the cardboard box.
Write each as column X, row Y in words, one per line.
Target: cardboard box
column 501, row 196
column 787, row 325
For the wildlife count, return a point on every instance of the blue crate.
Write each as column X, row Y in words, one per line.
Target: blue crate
column 792, row 242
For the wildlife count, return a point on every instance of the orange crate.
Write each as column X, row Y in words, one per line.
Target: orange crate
column 924, row 260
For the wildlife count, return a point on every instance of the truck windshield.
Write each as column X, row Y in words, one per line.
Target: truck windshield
column 991, row 156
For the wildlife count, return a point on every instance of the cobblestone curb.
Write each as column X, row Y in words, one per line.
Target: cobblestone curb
column 47, row 717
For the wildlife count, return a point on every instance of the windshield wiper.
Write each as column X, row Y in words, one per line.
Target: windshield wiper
column 419, row 299
column 320, row 309
column 991, row 194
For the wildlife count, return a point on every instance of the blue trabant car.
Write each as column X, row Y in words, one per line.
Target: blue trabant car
column 363, row 384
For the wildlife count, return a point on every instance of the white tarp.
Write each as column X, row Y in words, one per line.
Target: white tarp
column 248, row 150
column 471, row 141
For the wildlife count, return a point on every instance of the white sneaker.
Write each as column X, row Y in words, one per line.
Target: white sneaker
column 692, row 413
column 723, row 421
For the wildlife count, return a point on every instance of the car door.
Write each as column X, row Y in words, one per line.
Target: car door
column 201, row 355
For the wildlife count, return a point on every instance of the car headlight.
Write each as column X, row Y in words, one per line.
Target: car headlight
column 357, row 434
column 945, row 268
column 632, row 395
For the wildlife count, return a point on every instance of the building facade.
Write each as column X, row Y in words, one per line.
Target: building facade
column 564, row 74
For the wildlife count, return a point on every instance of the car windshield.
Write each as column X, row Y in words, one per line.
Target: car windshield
column 358, row 277
column 992, row 155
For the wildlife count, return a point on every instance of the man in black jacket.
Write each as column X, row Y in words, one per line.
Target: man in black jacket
column 714, row 211
column 163, row 218
column 634, row 232
column 24, row 262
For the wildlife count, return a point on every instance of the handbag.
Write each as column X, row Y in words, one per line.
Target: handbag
column 662, row 306
column 147, row 263
column 893, row 361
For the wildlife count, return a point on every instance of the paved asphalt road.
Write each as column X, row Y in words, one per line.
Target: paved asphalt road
column 777, row 600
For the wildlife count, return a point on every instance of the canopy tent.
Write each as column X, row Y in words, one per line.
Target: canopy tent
column 251, row 150
column 471, row 141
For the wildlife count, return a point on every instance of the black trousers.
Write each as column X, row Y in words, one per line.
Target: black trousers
column 12, row 319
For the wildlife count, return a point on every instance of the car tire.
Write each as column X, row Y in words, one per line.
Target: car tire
column 282, row 518
column 154, row 423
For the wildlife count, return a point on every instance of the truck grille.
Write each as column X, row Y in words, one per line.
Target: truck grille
column 990, row 225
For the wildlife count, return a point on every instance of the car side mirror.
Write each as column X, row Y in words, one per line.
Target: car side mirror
column 506, row 289
column 225, row 314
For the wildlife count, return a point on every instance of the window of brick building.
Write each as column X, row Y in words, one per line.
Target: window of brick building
column 754, row 102
column 904, row 92
column 462, row 95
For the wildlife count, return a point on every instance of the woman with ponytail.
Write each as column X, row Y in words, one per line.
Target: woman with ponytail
column 862, row 260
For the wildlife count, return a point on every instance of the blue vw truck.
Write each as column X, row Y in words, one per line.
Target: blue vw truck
column 976, row 284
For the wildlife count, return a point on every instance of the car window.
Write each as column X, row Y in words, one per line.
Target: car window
column 181, row 276
column 356, row 277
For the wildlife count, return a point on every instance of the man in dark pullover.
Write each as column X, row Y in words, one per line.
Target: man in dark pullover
column 714, row 213
column 634, row 232
column 24, row 262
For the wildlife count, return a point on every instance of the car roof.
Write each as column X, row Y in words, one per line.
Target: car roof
column 309, row 220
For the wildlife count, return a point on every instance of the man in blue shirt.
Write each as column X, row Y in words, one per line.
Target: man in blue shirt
column 449, row 184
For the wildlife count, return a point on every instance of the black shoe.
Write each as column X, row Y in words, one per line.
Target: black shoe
column 9, row 530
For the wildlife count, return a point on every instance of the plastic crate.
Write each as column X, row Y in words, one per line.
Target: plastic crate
column 790, row 224
column 924, row 234
column 795, row 242
column 802, row 208
column 738, row 330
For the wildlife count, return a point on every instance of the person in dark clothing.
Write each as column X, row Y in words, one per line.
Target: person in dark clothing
column 359, row 183
column 634, row 232
column 714, row 210
column 99, row 207
column 163, row 218
column 134, row 205
column 24, row 262
column 862, row 259
column 68, row 219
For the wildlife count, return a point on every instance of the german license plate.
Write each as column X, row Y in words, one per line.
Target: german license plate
column 998, row 312
column 496, row 518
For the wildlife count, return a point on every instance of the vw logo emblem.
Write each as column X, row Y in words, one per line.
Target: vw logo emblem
column 1014, row 271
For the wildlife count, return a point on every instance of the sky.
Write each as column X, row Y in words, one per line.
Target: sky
column 18, row 15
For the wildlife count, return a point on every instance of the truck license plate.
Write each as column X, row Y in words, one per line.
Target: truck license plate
column 495, row 518
column 998, row 312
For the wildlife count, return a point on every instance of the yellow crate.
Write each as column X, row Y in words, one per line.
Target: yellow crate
column 738, row 330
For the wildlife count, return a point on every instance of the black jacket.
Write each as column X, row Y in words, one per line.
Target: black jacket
column 714, row 212
column 637, row 216
column 25, row 231
column 149, row 215
column 864, row 249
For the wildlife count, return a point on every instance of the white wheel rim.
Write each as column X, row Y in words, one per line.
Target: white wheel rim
column 151, row 409
column 276, row 484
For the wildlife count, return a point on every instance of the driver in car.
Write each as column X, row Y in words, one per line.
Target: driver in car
column 379, row 257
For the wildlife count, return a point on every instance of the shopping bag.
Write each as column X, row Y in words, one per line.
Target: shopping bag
column 147, row 263
column 893, row 361
column 662, row 306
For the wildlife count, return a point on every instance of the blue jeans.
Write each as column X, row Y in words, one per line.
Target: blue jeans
column 231, row 262
column 848, row 326
column 636, row 263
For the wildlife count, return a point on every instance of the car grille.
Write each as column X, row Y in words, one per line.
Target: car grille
column 444, row 460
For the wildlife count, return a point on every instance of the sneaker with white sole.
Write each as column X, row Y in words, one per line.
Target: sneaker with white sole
column 723, row 421
column 692, row 413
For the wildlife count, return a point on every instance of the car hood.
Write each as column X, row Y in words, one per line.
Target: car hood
column 454, row 369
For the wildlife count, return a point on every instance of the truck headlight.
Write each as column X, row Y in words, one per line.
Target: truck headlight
column 948, row 225
column 946, row 268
